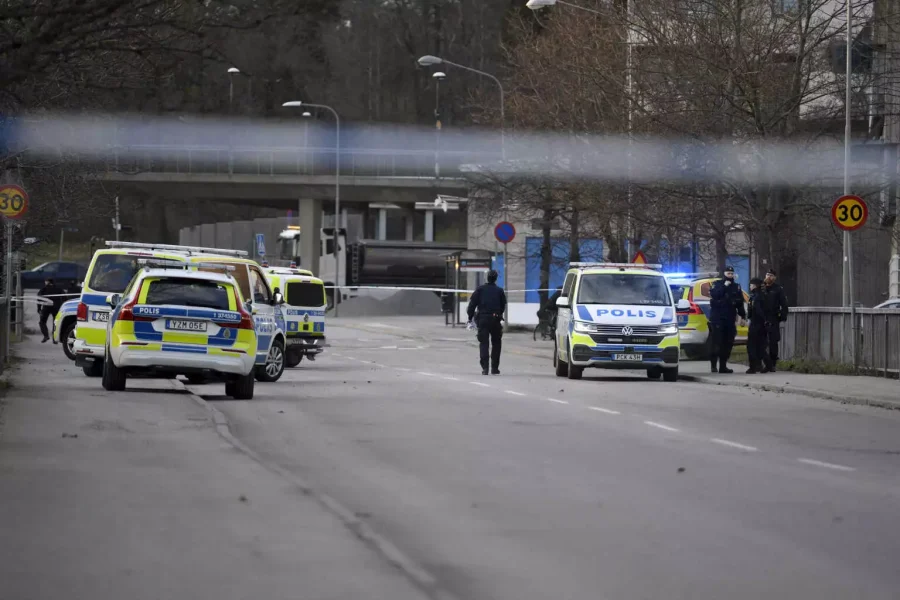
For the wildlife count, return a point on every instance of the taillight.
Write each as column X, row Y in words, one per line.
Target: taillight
column 126, row 313
column 695, row 309
column 82, row 312
column 246, row 320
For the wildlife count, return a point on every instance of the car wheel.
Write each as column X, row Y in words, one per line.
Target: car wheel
column 94, row 369
column 196, row 379
column 242, row 387
column 670, row 375
column 292, row 359
column 574, row 372
column 654, row 372
column 274, row 367
column 67, row 336
column 113, row 376
column 562, row 368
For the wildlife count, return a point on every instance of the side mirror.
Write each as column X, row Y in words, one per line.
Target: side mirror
column 113, row 300
column 248, row 306
column 279, row 299
column 562, row 301
column 682, row 305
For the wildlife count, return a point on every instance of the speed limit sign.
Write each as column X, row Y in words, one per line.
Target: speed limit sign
column 849, row 213
column 13, row 201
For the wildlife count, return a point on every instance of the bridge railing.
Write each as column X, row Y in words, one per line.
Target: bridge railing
column 289, row 161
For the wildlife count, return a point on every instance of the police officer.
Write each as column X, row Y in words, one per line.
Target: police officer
column 757, row 335
column 55, row 295
column 726, row 303
column 490, row 302
column 775, row 306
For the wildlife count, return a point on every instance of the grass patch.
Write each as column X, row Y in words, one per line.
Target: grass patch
column 48, row 252
column 817, row 367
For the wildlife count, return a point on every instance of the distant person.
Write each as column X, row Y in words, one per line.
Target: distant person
column 726, row 303
column 489, row 302
column 776, row 310
column 54, row 294
column 757, row 334
column 549, row 311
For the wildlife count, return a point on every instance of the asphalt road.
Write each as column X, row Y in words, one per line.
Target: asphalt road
column 525, row 485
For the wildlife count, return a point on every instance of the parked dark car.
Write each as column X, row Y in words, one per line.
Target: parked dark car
column 67, row 275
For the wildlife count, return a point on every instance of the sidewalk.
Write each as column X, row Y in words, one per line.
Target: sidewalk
column 870, row 391
column 136, row 495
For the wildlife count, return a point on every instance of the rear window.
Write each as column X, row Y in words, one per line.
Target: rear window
column 188, row 292
column 113, row 272
column 301, row 293
column 679, row 291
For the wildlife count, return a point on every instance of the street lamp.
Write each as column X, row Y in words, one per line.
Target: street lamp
column 337, row 189
column 231, row 73
column 428, row 60
column 438, row 78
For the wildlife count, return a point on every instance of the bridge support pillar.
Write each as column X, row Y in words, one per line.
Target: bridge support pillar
column 410, row 225
column 310, row 212
column 382, row 224
column 429, row 225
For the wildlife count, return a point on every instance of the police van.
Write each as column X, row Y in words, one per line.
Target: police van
column 112, row 269
column 617, row 316
column 305, row 303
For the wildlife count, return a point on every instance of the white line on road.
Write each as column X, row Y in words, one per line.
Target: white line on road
column 557, row 401
column 659, row 425
column 426, row 374
column 733, row 444
column 403, row 369
column 819, row 463
column 514, row 393
column 479, row 383
column 604, row 410
column 448, row 377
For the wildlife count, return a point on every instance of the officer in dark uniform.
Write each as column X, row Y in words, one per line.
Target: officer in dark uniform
column 726, row 303
column 775, row 306
column 55, row 296
column 489, row 300
column 757, row 334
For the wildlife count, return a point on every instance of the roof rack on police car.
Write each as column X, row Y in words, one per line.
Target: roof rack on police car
column 189, row 249
column 169, row 263
column 603, row 265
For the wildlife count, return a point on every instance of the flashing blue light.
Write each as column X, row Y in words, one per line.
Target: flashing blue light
column 676, row 275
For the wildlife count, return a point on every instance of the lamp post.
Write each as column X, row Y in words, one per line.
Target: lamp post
column 438, row 78
column 231, row 73
column 429, row 60
column 337, row 190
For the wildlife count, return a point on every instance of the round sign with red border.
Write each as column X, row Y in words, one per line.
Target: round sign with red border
column 849, row 212
column 505, row 232
column 13, row 201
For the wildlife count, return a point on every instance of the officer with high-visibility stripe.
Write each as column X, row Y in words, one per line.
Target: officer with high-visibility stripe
column 489, row 302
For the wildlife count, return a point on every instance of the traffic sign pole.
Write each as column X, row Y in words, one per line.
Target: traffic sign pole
column 849, row 213
column 505, row 232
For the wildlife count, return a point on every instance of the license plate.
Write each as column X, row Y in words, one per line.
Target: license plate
column 102, row 317
column 628, row 357
column 179, row 325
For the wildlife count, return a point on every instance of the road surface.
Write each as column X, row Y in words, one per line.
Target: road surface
column 525, row 485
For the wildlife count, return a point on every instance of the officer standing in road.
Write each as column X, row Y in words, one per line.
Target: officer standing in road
column 775, row 306
column 726, row 303
column 757, row 336
column 489, row 300
column 55, row 295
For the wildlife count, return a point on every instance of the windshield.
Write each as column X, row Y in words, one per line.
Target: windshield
column 112, row 273
column 300, row 293
column 616, row 288
column 188, row 292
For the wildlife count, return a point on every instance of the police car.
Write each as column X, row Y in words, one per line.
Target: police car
column 176, row 320
column 617, row 316
column 305, row 302
column 64, row 327
column 693, row 321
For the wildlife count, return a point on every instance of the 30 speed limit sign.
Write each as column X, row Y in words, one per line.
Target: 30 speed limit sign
column 849, row 213
column 13, row 201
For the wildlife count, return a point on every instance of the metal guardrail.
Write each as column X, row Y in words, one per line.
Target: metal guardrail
column 289, row 161
column 824, row 334
column 5, row 334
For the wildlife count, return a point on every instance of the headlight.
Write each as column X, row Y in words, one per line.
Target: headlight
column 584, row 326
column 669, row 329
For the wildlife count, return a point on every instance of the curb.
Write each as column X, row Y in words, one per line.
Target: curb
column 417, row 575
column 800, row 391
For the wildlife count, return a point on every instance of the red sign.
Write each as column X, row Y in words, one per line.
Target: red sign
column 639, row 258
column 849, row 213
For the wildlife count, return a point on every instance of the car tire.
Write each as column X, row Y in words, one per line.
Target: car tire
column 114, row 378
column 229, row 388
column 196, row 379
column 94, row 369
column 670, row 375
column 573, row 371
column 562, row 367
column 242, row 387
column 67, row 339
column 292, row 359
column 654, row 373
column 274, row 367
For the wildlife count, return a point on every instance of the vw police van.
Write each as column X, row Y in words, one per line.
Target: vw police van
column 304, row 307
column 617, row 316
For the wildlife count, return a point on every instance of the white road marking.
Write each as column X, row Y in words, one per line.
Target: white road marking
column 448, row 377
column 659, row 425
column 733, row 444
column 514, row 393
column 403, row 369
column 479, row 383
column 426, row 374
column 604, row 410
column 819, row 463
column 388, row 348
column 557, row 401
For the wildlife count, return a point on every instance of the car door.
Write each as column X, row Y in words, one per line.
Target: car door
column 564, row 313
column 264, row 313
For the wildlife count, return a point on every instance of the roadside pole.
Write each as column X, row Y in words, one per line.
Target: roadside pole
column 13, row 205
column 505, row 232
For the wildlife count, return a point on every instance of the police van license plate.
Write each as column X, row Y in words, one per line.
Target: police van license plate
column 102, row 317
column 179, row 325
column 628, row 357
